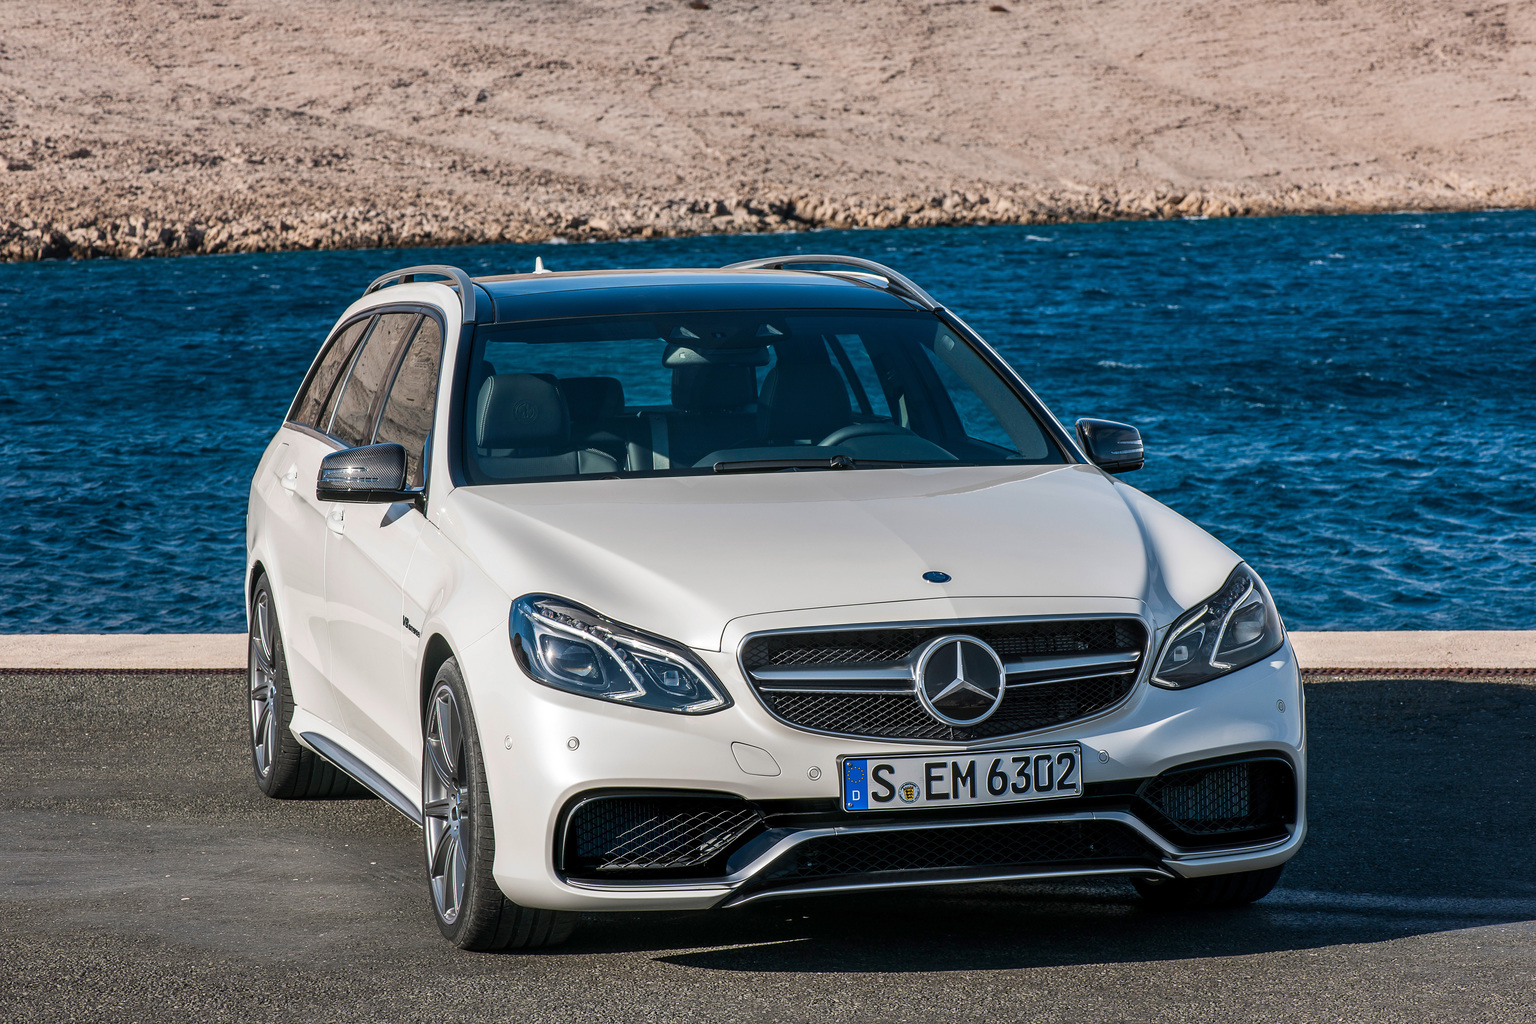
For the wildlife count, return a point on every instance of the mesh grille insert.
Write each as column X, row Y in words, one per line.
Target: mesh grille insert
column 1223, row 801
column 643, row 835
column 1013, row 845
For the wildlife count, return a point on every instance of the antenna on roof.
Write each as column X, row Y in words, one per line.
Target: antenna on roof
column 539, row 267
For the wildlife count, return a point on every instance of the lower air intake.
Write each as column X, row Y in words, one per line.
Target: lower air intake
column 642, row 836
column 1221, row 804
column 1004, row 847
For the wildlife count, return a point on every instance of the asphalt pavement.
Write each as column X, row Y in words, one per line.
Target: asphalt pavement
column 144, row 878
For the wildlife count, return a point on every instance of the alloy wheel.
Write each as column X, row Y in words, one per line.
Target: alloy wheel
column 445, row 805
column 263, row 671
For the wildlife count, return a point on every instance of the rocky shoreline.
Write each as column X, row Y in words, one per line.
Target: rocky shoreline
column 214, row 126
column 86, row 234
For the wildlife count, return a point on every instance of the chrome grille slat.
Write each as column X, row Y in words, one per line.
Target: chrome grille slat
column 1046, row 680
column 859, row 681
column 862, row 673
column 1038, row 665
column 813, row 688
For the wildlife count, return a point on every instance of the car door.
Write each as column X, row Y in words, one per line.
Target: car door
column 295, row 521
column 368, row 547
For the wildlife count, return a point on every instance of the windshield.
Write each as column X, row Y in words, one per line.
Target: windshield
column 688, row 393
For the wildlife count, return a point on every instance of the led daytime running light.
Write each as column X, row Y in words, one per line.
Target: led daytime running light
column 571, row 648
column 1203, row 645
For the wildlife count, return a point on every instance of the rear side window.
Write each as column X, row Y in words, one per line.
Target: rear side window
column 312, row 397
column 351, row 419
column 407, row 415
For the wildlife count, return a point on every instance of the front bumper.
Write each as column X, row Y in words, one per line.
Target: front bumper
column 544, row 749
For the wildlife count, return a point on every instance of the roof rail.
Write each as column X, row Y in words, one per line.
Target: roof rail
column 901, row 285
column 406, row 275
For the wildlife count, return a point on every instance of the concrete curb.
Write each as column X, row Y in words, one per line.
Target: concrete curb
column 1426, row 652
column 104, row 652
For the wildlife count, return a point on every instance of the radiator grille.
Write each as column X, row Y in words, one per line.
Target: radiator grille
column 1008, row 639
column 899, row 715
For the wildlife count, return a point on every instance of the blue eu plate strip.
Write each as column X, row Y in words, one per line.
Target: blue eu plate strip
column 856, row 785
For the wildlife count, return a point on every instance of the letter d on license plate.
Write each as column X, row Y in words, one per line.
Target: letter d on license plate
column 948, row 780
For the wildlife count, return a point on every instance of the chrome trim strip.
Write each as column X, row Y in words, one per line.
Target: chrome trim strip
column 783, row 846
column 370, row 779
column 305, row 428
column 1000, row 620
column 1012, row 876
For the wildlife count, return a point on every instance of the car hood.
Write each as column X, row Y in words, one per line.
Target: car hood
column 684, row 556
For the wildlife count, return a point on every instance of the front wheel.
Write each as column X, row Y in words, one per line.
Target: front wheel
column 470, row 909
column 1208, row 893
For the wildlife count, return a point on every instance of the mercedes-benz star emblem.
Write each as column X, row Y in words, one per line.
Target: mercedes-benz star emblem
column 960, row 680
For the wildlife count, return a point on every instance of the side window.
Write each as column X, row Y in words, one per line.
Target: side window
column 351, row 418
column 312, row 398
column 407, row 416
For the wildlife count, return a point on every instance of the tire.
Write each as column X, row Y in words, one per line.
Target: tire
column 284, row 769
column 1209, row 893
column 460, row 836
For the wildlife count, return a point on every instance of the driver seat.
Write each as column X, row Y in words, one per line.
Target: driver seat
column 801, row 403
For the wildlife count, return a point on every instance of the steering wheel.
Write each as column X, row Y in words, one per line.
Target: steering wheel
column 853, row 430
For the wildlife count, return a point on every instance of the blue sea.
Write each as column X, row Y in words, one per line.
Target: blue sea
column 1346, row 401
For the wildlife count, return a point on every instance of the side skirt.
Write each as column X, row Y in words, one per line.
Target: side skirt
column 365, row 775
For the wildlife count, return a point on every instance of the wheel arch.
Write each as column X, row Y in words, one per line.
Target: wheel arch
column 436, row 651
column 256, row 571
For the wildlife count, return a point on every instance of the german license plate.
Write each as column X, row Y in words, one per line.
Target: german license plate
column 911, row 781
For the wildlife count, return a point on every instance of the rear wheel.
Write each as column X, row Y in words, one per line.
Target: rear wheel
column 284, row 769
column 461, row 837
column 1208, row 893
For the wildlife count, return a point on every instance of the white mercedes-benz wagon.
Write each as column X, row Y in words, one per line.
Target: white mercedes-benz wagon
column 686, row 589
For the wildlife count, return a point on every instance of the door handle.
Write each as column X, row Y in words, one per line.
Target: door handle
column 337, row 520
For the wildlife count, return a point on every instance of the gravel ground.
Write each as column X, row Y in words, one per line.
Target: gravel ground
column 143, row 878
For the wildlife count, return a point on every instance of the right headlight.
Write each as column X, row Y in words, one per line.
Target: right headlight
column 563, row 645
column 1233, row 628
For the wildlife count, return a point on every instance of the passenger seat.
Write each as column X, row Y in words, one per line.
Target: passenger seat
column 523, row 429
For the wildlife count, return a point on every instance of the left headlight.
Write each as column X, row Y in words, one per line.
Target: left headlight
column 571, row 648
column 1233, row 628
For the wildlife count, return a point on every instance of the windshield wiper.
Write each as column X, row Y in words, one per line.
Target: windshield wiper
column 835, row 462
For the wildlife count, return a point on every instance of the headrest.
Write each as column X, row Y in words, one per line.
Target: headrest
column 713, row 388
column 803, row 400
column 592, row 398
column 520, row 410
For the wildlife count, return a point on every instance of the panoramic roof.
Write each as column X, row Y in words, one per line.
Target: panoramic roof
column 606, row 292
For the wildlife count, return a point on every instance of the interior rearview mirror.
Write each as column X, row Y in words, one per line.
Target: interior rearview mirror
column 1113, row 447
column 374, row 474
